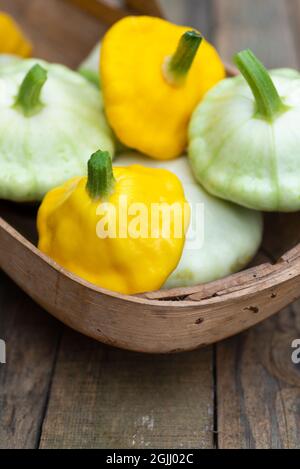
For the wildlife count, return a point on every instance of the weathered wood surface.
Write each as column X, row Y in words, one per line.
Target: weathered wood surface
column 32, row 338
column 107, row 398
column 77, row 393
column 258, row 387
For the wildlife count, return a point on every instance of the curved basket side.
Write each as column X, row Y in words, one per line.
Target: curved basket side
column 137, row 323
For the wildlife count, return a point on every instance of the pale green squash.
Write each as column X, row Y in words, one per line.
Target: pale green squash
column 6, row 59
column 230, row 236
column 245, row 138
column 51, row 121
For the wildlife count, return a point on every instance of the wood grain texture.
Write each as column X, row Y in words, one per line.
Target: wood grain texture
column 145, row 7
column 105, row 398
column 31, row 339
column 261, row 25
column 194, row 13
column 108, row 12
column 141, row 324
column 102, row 10
column 259, row 386
column 258, row 398
column 59, row 31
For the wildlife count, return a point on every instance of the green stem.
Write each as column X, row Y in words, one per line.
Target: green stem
column 268, row 102
column 28, row 99
column 101, row 179
column 178, row 65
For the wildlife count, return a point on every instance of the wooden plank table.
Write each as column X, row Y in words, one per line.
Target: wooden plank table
column 62, row 390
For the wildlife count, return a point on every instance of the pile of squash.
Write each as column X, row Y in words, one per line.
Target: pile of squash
column 198, row 155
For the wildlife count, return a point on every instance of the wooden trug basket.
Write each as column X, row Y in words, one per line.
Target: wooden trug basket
column 167, row 320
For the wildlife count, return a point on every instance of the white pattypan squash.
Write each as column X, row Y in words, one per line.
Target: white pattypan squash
column 8, row 59
column 245, row 138
column 228, row 235
column 51, row 121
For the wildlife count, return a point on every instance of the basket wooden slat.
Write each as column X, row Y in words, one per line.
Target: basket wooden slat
column 109, row 12
column 148, row 325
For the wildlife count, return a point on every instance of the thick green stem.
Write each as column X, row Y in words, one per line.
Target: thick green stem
column 268, row 101
column 28, row 99
column 101, row 179
column 176, row 67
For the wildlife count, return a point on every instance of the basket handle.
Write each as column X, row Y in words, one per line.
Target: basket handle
column 145, row 7
column 109, row 14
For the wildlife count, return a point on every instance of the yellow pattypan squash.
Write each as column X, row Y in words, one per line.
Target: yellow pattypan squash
column 110, row 228
column 153, row 76
column 12, row 39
